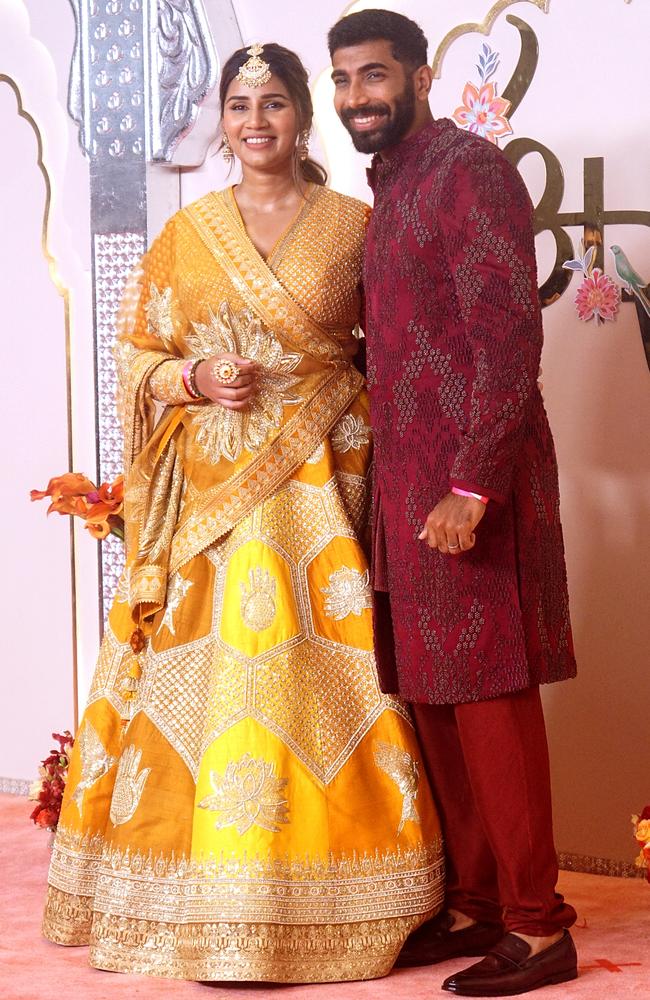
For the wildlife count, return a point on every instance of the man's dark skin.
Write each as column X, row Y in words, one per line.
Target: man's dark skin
column 370, row 86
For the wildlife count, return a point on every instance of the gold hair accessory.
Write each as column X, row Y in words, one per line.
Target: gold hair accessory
column 254, row 72
column 226, row 148
column 224, row 372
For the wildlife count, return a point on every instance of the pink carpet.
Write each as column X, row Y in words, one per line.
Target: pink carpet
column 612, row 936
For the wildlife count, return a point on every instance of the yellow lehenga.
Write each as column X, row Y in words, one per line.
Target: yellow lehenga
column 242, row 802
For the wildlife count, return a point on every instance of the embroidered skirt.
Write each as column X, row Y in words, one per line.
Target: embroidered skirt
column 251, row 807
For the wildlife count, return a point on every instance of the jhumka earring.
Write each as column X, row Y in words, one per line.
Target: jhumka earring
column 226, row 148
column 303, row 144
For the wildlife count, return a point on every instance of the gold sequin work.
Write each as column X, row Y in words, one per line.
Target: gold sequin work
column 95, row 761
column 348, row 593
column 167, row 385
column 159, row 314
column 258, row 599
column 129, row 786
column 248, row 794
column 400, row 766
column 241, row 801
column 223, row 432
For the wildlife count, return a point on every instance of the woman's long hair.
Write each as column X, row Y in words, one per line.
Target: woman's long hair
column 288, row 68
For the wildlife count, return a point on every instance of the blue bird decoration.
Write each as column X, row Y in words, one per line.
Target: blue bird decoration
column 633, row 281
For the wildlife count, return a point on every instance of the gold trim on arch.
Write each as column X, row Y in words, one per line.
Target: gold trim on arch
column 64, row 292
column 482, row 28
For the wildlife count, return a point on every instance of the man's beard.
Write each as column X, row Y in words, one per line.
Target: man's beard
column 397, row 123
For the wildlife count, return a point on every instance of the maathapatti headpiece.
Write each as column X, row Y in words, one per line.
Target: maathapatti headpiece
column 254, row 72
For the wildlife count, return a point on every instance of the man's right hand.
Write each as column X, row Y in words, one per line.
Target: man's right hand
column 450, row 526
column 235, row 396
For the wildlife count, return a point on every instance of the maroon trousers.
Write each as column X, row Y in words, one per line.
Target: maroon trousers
column 487, row 762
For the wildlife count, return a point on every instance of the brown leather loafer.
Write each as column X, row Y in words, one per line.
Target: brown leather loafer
column 507, row 970
column 436, row 942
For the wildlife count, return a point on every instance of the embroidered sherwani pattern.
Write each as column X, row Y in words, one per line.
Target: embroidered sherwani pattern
column 454, row 337
column 247, row 832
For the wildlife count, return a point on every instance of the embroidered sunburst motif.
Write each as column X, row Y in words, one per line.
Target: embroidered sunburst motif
column 226, row 433
column 403, row 770
column 248, row 794
column 129, row 786
column 176, row 593
column 95, row 761
column 350, row 434
column 348, row 593
column 159, row 314
column 258, row 602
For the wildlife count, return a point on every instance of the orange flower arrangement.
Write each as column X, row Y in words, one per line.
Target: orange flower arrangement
column 641, row 826
column 99, row 506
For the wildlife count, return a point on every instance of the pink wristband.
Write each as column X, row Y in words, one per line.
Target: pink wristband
column 466, row 493
column 188, row 378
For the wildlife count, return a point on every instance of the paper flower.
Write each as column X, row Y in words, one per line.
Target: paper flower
column 597, row 296
column 483, row 113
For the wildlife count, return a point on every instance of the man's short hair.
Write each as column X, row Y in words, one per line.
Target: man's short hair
column 409, row 46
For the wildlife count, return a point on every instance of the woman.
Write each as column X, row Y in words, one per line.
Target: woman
column 242, row 803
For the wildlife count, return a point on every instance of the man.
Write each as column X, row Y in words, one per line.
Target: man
column 471, row 608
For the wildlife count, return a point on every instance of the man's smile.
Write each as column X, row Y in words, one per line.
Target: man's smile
column 365, row 122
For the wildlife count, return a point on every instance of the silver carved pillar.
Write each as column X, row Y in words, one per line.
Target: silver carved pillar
column 140, row 71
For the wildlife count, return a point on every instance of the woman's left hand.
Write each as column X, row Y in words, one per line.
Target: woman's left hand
column 234, row 396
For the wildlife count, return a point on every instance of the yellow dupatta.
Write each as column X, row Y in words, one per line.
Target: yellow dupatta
column 204, row 289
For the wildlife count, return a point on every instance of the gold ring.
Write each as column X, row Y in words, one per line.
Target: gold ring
column 224, row 372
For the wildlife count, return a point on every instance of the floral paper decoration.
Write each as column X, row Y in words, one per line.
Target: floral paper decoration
column 482, row 112
column 598, row 296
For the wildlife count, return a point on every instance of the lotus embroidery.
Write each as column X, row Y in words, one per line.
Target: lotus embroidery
column 348, row 593
column 248, row 794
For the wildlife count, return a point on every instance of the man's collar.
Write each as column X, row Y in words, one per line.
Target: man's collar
column 402, row 152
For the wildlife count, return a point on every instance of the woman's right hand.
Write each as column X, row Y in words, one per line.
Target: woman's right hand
column 235, row 396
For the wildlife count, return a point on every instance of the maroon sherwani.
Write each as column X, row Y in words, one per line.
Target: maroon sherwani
column 454, row 338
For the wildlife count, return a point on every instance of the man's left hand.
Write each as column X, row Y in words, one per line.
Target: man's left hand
column 451, row 524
